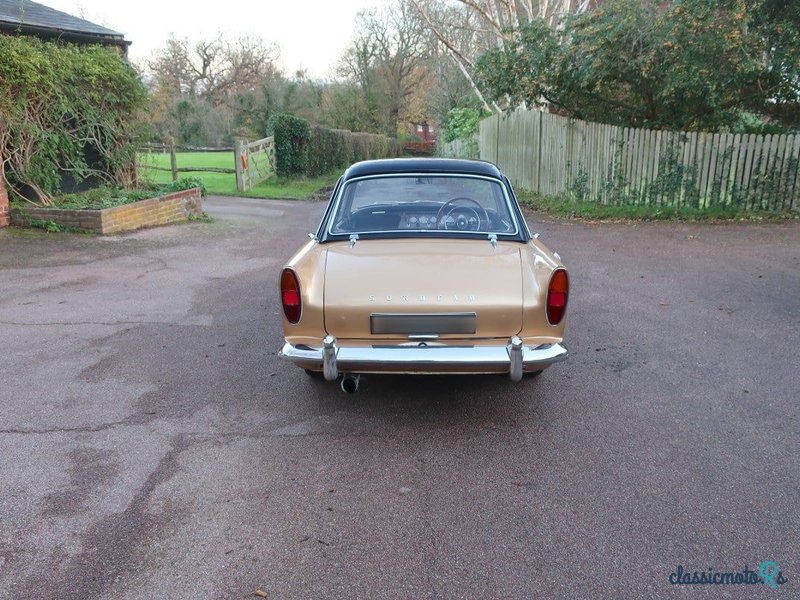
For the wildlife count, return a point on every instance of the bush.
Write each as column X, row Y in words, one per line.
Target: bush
column 462, row 123
column 292, row 136
column 184, row 183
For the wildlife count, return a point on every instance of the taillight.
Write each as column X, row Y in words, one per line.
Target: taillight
column 290, row 296
column 557, row 293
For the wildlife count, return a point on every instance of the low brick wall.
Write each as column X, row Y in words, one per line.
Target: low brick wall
column 170, row 208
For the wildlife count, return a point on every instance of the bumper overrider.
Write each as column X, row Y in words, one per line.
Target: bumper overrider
column 513, row 358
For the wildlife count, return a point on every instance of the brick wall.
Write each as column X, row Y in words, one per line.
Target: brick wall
column 5, row 218
column 170, row 208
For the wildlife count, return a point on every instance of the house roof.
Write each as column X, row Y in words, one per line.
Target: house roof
column 32, row 18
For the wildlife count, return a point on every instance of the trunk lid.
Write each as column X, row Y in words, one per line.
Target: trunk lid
column 414, row 286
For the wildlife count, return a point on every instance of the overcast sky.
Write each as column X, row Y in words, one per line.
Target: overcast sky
column 311, row 34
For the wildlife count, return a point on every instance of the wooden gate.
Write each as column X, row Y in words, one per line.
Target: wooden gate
column 255, row 162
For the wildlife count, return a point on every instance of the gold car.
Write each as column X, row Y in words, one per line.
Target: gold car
column 423, row 266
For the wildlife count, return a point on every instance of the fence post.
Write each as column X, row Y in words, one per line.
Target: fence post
column 5, row 218
column 539, row 158
column 173, row 159
column 240, row 161
column 497, row 143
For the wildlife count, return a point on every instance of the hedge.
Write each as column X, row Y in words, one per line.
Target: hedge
column 301, row 149
column 291, row 136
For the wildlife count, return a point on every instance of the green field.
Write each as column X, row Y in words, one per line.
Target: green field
column 224, row 184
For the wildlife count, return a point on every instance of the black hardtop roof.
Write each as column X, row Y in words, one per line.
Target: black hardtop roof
column 442, row 166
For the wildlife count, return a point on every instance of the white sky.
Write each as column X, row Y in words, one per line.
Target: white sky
column 311, row 34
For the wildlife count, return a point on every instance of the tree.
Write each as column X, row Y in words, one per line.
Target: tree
column 213, row 70
column 689, row 64
column 344, row 105
column 387, row 63
column 275, row 93
column 469, row 28
column 200, row 92
column 778, row 23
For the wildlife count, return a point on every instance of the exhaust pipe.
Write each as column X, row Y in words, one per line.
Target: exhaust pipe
column 350, row 383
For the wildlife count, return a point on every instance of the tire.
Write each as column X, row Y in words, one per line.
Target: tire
column 532, row 374
column 313, row 374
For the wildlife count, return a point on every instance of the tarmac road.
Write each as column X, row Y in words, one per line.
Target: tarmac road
column 152, row 445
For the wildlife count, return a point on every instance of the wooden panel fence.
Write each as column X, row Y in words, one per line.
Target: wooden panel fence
column 556, row 156
column 463, row 148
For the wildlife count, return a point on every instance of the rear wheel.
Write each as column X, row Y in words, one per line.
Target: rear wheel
column 313, row 374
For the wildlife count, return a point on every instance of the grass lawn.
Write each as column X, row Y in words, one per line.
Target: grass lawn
column 562, row 207
column 224, row 184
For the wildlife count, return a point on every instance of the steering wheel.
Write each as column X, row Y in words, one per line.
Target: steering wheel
column 462, row 221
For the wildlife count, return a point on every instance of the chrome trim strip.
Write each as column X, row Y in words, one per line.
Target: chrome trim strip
column 426, row 358
column 506, row 196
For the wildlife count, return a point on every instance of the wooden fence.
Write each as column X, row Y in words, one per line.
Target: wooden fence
column 556, row 156
column 253, row 162
column 461, row 148
column 174, row 151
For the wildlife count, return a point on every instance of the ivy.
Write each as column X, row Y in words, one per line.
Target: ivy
column 61, row 103
column 291, row 135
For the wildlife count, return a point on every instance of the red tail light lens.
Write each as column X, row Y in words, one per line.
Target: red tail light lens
column 557, row 293
column 290, row 296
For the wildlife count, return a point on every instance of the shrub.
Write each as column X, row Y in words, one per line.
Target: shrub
column 184, row 183
column 462, row 123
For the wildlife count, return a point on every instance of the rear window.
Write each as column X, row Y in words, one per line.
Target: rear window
column 409, row 203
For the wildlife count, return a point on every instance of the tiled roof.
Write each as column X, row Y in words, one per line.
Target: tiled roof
column 33, row 14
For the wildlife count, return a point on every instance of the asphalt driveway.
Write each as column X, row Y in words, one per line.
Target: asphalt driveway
column 152, row 445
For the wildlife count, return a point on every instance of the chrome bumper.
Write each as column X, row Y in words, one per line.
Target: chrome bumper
column 514, row 358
